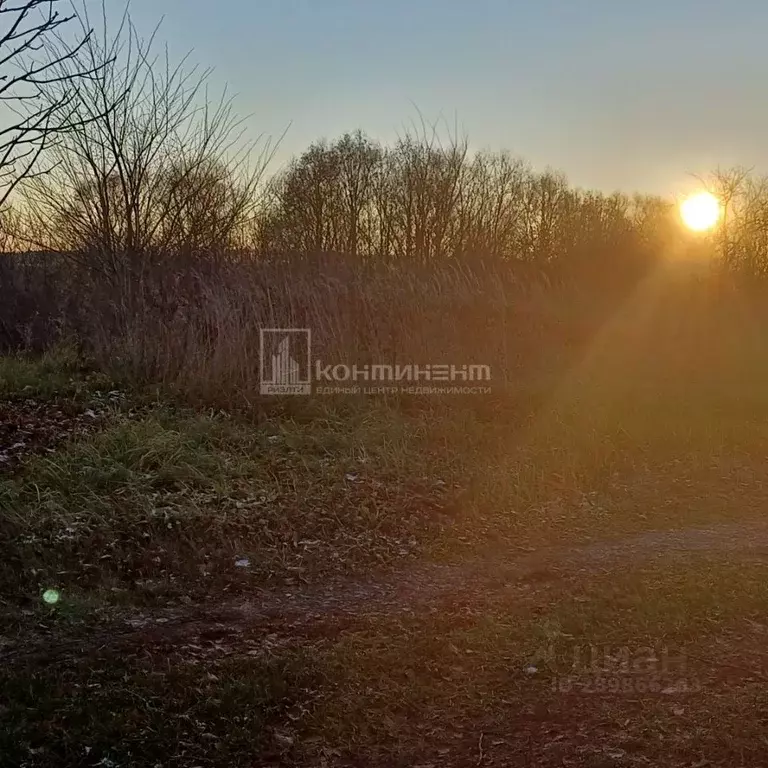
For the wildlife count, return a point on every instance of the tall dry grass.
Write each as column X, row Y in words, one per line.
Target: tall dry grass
column 194, row 326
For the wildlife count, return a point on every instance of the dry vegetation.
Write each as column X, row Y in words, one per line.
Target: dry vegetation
column 335, row 581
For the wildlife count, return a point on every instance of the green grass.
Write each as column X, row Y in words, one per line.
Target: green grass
column 170, row 500
column 167, row 499
column 59, row 372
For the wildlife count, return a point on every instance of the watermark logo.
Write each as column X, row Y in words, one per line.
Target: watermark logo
column 603, row 669
column 285, row 361
column 286, row 369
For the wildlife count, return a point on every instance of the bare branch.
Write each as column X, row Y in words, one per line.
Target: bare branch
column 39, row 78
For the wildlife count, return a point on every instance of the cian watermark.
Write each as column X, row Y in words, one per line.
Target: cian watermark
column 604, row 669
column 286, row 369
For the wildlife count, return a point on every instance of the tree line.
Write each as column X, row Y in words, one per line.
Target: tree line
column 117, row 154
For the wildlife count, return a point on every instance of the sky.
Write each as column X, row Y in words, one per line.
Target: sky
column 616, row 94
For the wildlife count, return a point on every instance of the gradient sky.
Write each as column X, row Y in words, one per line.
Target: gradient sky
column 615, row 93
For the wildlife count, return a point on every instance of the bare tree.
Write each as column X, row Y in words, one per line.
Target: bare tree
column 40, row 77
column 125, row 177
column 727, row 185
column 358, row 158
column 421, row 202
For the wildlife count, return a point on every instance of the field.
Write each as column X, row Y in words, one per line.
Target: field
column 571, row 571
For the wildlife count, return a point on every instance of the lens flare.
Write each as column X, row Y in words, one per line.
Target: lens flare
column 51, row 596
column 700, row 211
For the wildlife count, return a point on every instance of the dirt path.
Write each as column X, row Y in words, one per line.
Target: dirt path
column 407, row 591
column 410, row 591
column 532, row 726
column 416, row 588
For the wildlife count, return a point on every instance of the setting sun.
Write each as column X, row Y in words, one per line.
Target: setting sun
column 700, row 211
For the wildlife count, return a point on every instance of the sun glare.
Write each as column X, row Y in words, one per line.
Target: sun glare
column 700, row 211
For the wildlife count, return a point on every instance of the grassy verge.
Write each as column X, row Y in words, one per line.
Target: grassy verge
column 178, row 502
column 164, row 501
column 58, row 373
